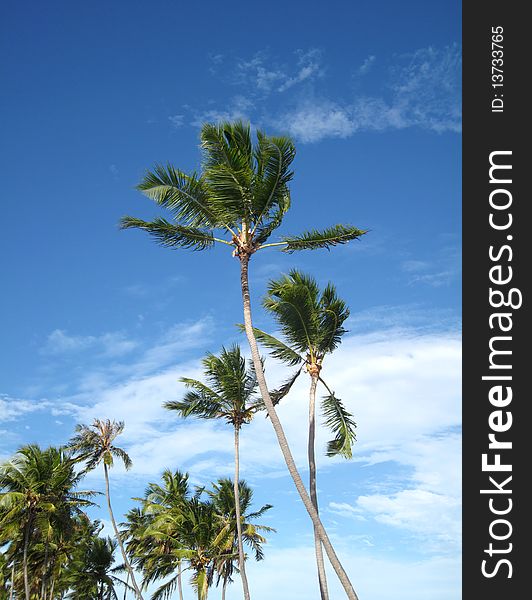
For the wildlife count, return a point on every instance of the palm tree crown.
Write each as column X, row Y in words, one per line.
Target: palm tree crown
column 229, row 393
column 94, row 443
column 312, row 324
column 241, row 194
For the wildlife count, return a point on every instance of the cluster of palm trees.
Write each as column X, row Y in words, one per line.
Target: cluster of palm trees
column 51, row 549
column 238, row 200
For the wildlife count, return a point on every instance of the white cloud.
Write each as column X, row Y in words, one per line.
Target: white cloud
column 292, row 570
column 366, row 66
column 14, row 408
column 177, row 120
column 109, row 344
column 315, row 120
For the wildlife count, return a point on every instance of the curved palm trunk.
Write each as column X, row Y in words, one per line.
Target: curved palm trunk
column 322, row 578
column 281, row 438
column 241, row 561
column 118, row 536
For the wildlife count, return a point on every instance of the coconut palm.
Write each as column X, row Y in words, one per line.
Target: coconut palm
column 38, row 498
column 92, row 575
column 312, row 325
column 239, row 200
column 230, row 395
column 95, row 445
column 153, row 531
column 235, row 528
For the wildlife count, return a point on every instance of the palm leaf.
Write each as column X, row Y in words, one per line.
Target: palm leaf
column 278, row 394
column 340, row 422
column 312, row 240
column 279, row 350
column 171, row 235
column 186, row 196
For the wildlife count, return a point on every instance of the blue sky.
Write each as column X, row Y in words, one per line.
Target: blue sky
column 99, row 322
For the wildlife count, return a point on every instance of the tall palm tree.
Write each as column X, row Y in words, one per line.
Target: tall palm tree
column 242, row 194
column 37, row 493
column 312, row 324
column 230, row 395
column 237, row 528
column 95, row 445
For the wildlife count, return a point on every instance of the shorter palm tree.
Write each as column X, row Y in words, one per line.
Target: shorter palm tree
column 38, row 502
column 92, row 574
column 223, row 498
column 311, row 322
column 229, row 394
column 94, row 444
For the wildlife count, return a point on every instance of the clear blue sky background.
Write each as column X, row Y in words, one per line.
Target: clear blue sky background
column 98, row 322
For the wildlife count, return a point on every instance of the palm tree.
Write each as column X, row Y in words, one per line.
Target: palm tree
column 230, row 395
column 37, row 498
column 312, row 323
column 95, row 445
column 237, row 528
column 241, row 194
column 92, row 575
column 153, row 531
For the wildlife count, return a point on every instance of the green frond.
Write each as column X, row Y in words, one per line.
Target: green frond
column 171, row 235
column 341, row 424
column 278, row 394
column 312, row 240
column 278, row 349
column 273, row 155
column 186, row 196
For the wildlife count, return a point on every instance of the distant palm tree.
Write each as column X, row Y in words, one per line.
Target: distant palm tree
column 312, row 324
column 95, row 445
column 38, row 498
column 92, row 575
column 153, row 531
column 236, row 529
column 242, row 194
column 229, row 394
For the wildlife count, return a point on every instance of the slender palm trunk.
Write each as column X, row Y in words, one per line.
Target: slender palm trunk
column 52, row 589
column 125, row 587
column 283, row 442
column 322, row 578
column 25, row 558
column 44, row 570
column 118, row 536
column 12, row 588
column 224, row 588
column 236, row 489
column 179, row 580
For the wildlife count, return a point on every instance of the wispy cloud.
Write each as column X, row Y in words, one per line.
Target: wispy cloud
column 366, row 66
column 421, row 89
column 12, row 409
column 442, row 270
column 109, row 344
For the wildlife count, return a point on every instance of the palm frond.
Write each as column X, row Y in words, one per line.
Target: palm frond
column 279, row 349
column 279, row 393
column 341, row 424
column 171, row 235
column 312, row 240
column 186, row 196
